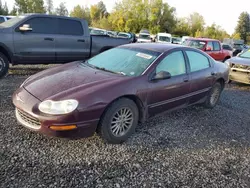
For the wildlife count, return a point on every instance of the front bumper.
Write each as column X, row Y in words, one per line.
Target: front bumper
column 240, row 75
column 28, row 116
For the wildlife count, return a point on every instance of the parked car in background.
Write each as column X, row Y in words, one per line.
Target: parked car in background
column 240, row 67
column 49, row 39
column 124, row 35
column 5, row 18
column 97, row 31
column 228, row 48
column 115, row 90
column 238, row 48
column 210, row 46
column 176, row 40
column 163, row 38
column 144, row 36
column 184, row 39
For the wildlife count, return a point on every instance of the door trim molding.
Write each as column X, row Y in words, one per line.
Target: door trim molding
column 179, row 98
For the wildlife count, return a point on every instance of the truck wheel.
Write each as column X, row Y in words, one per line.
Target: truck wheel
column 4, row 65
column 119, row 121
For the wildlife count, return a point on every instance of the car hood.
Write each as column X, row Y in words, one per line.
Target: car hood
column 240, row 60
column 63, row 79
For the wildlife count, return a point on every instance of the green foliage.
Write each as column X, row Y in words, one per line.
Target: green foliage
column 61, row 10
column 133, row 15
column 243, row 26
column 4, row 8
column 182, row 27
column 81, row 12
column 196, row 23
column 30, row 6
column 13, row 12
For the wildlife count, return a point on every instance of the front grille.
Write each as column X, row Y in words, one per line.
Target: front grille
column 27, row 120
column 239, row 66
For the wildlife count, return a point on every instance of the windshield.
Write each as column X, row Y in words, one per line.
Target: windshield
column 129, row 62
column 165, row 39
column 12, row 22
column 144, row 36
column 196, row 44
column 246, row 54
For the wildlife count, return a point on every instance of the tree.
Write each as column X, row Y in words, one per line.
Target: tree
column 243, row 26
column 134, row 15
column 3, row 9
column 13, row 12
column 182, row 28
column 50, row 6
column 62, row 10
column 236, row 36
column 196, row 23
column 81, row 12
column 30, row 6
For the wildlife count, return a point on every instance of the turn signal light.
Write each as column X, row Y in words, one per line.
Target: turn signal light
column 62, row 127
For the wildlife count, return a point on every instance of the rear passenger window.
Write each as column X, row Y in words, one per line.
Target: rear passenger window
column 216, row 46
column 70, row 27
column 197, row 61
column 42, row 25
column 210, row 44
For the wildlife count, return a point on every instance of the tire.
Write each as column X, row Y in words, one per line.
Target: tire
column 226, row 59
column 110, row 131
column 213, row 96
column 4, row 65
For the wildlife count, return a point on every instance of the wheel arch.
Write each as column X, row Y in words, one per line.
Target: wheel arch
column 4, row 49
column 221, row 81
column 136, row 100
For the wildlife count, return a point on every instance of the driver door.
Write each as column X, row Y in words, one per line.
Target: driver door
column 170, row 93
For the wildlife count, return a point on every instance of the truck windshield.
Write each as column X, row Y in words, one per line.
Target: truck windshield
column 245, row 54
column 129, row 62
column 164, row 39
column 144, row 36
column 12, row 22
column 196, row 44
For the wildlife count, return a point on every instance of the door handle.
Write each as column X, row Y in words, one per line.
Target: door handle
column 49, row 39
column 81, row 40
column 213, row 73
column 185, row 79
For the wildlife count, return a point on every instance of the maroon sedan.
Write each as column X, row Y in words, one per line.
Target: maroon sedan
column 113, row 91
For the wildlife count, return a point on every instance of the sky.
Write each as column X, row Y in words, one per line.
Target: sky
column 221, row 12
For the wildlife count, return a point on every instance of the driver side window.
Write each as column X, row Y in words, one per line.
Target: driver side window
column 173, row 63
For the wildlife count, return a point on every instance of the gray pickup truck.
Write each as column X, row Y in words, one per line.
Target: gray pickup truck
column 47, row 39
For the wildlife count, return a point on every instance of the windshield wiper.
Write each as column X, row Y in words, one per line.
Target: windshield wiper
column 102, row 68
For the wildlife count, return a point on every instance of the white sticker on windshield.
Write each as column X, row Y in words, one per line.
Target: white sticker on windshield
column 145, row 56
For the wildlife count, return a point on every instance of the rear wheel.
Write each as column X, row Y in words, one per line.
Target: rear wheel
column 119, row 121
column 4, row 65
column 214, row 96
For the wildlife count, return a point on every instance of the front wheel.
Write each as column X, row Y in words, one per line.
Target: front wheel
column 119, row 121
column 4, row 65
column 213, row 96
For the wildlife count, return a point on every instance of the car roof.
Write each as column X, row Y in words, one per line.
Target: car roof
column 203, row 39
column 157, row 47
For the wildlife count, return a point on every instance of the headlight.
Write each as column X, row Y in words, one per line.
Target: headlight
column 58, row 107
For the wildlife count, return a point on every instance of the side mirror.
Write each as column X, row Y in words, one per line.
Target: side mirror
column 25, row 27
column 208, row 49
column 163, row 75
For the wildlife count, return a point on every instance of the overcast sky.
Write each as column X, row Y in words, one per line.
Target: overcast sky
column 222, row 12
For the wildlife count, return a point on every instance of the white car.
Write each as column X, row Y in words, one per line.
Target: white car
column 144, row 38
column 163, row 38
column 5, row 18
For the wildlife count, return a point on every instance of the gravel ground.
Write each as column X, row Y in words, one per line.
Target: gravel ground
column 193, row 147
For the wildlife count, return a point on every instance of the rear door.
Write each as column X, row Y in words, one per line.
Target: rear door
column 202, row 75
column 72, row 41
column 38, row 45
column 217, row 53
